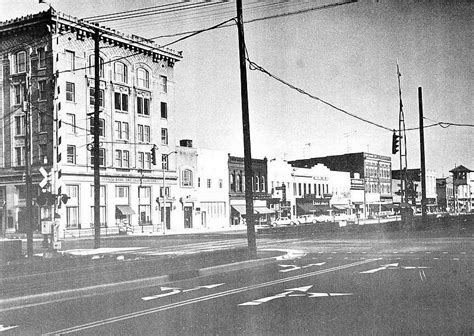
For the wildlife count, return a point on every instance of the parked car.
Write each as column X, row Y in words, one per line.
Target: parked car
column 284, row 221
column 323, row 218
column 306, row 219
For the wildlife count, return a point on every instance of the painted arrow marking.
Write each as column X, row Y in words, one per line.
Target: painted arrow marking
column 383, row 267
column 204, row 286
column 294, row 267
column 6, row 327
column 277, row 296
column 172, row 290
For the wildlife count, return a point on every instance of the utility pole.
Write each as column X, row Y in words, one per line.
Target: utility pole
column 246, row 133
column 422, row 157
column 29, row 202
column 96, row 146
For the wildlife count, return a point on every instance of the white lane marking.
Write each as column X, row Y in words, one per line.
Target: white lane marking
column 203, row 298
column 455, row 258
column 422, row 275
column 172, row 290
column 445, row 252
column 463, row 252
column 290, row 268
column 311, row 295
column 428, row 252
column 317, row 264
column 7, row 327
column 381, row 268
column 435, row 258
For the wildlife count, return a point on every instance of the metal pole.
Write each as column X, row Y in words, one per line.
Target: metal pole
column 246, row 133
column 96, row 147
column 164, row 196
column 29, row 201
column 422, row 156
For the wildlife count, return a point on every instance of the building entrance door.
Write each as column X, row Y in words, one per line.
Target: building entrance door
column 188, row 217
column 203, row 219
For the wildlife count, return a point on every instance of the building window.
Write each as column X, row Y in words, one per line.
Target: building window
column 146, row 133
column 42, row 122
column 70, row 60
column 121, row 101
column 20, row 156
column 122, row 158
column 41, row 58
column 121, row 72
column 101, row 157
column 42, row 90
column 199, row 182
column 187, row 178
column 20, row 125
column 92, row 66
column 143, row 78
column 92, row 97
column 72, row 217
column 257, row 184
column 122, row 192
column 143, row 106
column 42, row 157
column 221, row 183
column 164, row 110
column 70, row 92
column 71, row 154
column 19, row 92
column 262, row 183
column 209, row 184
column 101, row 126
column 231, row 182
column 239, row 182
column 20, row 61
column 147, row 160
column 144, row 199
column 141, row 160
column 71, row 122
column 140, row 133
column 164, row 84
column 121, row 130
column 164, row 136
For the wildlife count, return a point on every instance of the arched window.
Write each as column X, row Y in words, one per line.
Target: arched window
column 262, row 183
column 238, row 186
column 257, row 184
column 232, row 182
column 121, row 72
column 143, row 78
column 187, row 178
column 92, row 66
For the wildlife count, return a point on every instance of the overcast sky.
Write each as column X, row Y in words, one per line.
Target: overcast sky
column 345, row 55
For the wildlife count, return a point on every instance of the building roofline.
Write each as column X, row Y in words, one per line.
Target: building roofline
column 59, row 22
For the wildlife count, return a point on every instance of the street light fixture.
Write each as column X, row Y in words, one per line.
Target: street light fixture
column 164, row 168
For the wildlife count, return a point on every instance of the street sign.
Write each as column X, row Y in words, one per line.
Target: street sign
column 46, row 178
column 46, row 227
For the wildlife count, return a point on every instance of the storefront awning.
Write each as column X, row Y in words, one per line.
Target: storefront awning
column 125, row 209
column 311, row 208
column 242, row 209
column 341, row 206
column 263, row 210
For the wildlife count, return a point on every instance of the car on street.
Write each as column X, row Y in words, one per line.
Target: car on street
column 323, row 218
column 306, row 219
column 284, row 221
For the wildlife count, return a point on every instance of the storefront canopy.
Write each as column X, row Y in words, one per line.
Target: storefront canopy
column 125, row 210
column 242, row 209
column 341, row 206
column 309, row 207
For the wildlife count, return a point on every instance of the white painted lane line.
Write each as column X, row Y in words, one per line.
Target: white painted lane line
column 7, row 327
column 463, row 252
column 445, row 252
column 455, row 258
column 203, row 298
column 381, row 268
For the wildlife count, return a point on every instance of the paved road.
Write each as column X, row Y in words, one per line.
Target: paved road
column 364, row 286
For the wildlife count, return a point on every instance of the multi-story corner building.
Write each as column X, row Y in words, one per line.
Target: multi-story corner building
column 48, row 62
column 414, row 188
column 237, row 189
column 212, row 189
column 375, row 170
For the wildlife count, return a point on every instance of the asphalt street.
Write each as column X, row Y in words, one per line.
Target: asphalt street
column 379, row 285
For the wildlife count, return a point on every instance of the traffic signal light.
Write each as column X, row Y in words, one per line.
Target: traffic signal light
column 153, row 155
column 395, row 142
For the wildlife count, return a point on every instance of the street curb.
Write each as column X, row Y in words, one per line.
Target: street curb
column 64, row 295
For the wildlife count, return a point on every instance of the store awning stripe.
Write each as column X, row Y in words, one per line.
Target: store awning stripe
column 125, row 209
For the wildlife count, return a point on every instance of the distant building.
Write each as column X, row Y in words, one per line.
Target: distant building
column 48, row 61
column 373, row 169
column 213, row 209
column 237, row 190
column 463, row 189
column 444, row 193
column 414, row 190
